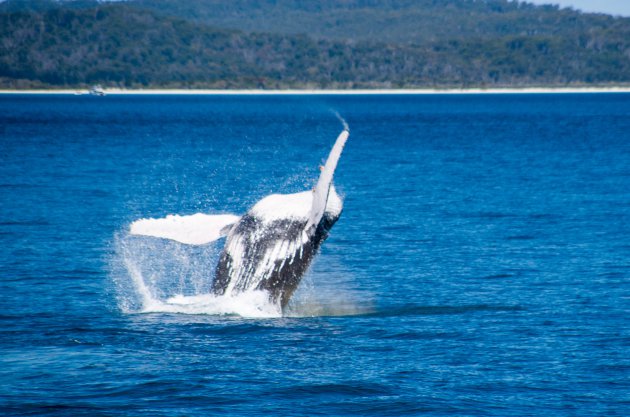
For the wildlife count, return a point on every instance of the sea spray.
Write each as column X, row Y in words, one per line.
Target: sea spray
column 323, row 292
column 148, row 271
column 160, row 276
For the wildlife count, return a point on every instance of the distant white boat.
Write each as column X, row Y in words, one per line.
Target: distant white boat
column 97, row 90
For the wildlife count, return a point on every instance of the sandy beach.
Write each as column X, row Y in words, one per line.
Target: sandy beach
column 533, row 90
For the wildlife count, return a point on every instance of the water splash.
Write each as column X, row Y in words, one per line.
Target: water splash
column 328, row 294
column 156, row 275
column 246, row 304
column 161, row 276
column 341, row 119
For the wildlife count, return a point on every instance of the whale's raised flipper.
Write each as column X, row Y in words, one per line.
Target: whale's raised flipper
column 197, row 229
column 322, row 189
column 273, row 244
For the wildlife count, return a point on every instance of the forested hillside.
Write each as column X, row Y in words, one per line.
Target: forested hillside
column 397, row 21
column 194, row 44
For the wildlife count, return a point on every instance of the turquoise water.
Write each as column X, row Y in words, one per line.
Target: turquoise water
column 481, row 265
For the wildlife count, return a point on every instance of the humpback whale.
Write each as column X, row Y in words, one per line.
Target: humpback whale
column 270, row 247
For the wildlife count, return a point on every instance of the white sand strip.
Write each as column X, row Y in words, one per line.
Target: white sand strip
column 533, row 90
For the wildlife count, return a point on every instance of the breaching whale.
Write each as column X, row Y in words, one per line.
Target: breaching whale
column 270, row 247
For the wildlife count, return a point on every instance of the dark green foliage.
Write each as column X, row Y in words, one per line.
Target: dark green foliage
column 391, row 21
column 119, row 44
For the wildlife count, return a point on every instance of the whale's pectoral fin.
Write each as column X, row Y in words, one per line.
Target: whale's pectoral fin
column 322, row 189
column 197, row 229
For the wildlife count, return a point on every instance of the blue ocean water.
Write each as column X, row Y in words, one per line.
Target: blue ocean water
column 481, row 266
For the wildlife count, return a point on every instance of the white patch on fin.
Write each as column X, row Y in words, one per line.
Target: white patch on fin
column 197, row 229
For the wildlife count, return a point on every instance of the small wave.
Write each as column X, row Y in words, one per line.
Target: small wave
column 521, row 237
column 348, row 388
column 37, row 222
column 499, row 276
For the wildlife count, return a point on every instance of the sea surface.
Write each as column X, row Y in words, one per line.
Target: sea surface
column 481, row 266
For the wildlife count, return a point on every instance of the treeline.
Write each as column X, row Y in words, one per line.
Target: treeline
column 122, row 45
column 391, row 21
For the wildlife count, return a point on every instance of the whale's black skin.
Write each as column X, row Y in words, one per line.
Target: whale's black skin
column 259, row 237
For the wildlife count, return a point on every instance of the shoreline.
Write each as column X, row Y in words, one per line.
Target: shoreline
column 526, row 90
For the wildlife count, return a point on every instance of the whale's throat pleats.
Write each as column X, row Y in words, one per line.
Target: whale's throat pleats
column 270, row 252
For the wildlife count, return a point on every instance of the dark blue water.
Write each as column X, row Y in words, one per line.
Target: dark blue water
column 481, row 265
